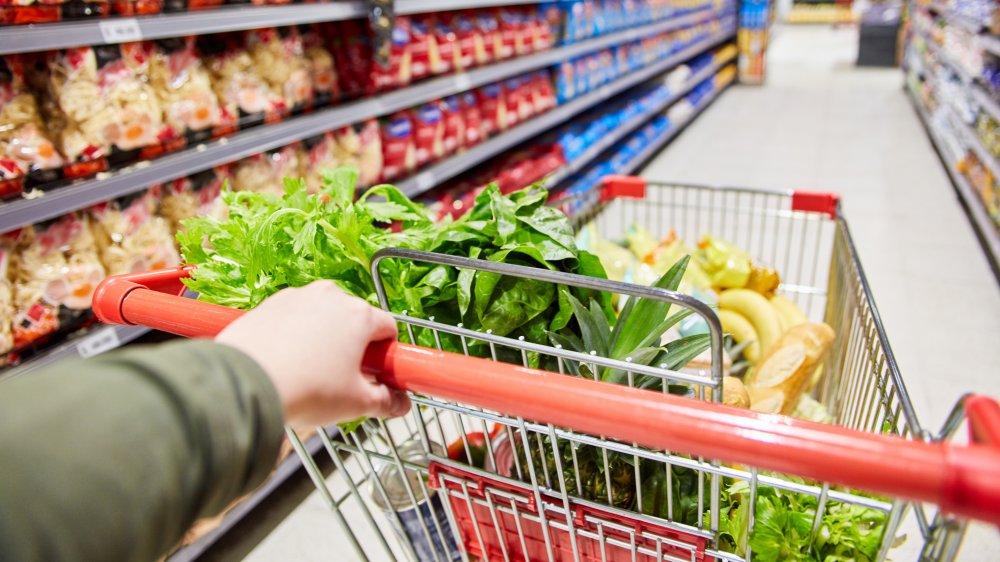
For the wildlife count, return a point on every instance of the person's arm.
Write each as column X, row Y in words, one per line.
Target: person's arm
column 113, row 458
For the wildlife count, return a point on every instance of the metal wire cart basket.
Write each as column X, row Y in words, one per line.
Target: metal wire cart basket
column 505, row 462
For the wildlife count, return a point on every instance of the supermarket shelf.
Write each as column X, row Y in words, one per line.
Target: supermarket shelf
column 260, row 139
column 668, row 135
column 971, row 140
column 88, row 344
column 947, row 60
column 956, row 19
column 986, row 102
column 59, row 35
column 986, row 229
column 451, row 167
column 282, row 473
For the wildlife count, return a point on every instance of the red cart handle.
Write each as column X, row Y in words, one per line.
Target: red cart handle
column 964, row 480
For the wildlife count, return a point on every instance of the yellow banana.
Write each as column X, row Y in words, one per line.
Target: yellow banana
column 742, row 330
column 790, row 313
column 757, row 310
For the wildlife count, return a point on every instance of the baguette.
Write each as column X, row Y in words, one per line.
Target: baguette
column 766, row 400
column 787, row 366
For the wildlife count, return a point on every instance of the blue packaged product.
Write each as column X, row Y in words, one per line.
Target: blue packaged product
column 566, row 86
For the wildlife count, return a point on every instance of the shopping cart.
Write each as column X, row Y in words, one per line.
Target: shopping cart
column 505, row 462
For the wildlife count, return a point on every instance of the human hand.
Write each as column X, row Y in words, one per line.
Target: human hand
column 310, row 341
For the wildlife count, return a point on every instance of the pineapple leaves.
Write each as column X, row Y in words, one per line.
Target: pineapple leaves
column 642, row 318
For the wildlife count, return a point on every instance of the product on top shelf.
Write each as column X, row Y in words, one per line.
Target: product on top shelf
column 399, row 151
column 425, row 57
column 279, row 58
column 184, row 89
column 470, row 45
column 428, row 133
column 351, row 49
column 102, row 100
column 25, row 147
column 55, row 274
column 243, row 93
column 264, row 172
column 130, row 237
column 446, row 43
column 194, row 195
column 486, row 24
column 397, row 72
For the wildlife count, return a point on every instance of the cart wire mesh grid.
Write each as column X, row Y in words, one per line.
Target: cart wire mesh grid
column 539, row 492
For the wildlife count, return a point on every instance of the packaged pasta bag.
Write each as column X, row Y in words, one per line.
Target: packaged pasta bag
column 428, row 133
column 350, row 45
column 104, row 100
column 25, row 148
column 470, row 46
column 454, row 123
column 397, row 71
column 184, row 89
column 541, row 35
column 196, row 195
column 472, row 117
column 489, row 29
column 511, row 32
column 543, row 96
column 493, row 107
column 399, row 152
column 131, row 237
column 447, row 45
column 322, row 69
column 279, row 58
column 370, row 157
column 56, row 271
column 424, row 54
column 321, row 154
column 244, row 97
column 265, row 172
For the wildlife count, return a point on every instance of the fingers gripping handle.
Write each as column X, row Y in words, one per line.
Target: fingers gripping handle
column 963, row 480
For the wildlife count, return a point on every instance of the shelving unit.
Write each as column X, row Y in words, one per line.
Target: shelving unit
column 459, row 163
column 91, row 343
column 260, row 139
column 606, row 142
column 984, row 226
column 103, row 31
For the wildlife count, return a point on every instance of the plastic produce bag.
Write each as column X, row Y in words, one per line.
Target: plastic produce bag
column 727, row 265
column 130, row 237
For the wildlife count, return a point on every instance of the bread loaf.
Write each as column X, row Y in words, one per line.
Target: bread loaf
column 786, row 367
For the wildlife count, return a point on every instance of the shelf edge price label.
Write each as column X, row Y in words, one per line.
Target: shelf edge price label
column 120, row 30
column 98, row 342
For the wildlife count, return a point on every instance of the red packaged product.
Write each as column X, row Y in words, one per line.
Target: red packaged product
column 398, row 149
column 424, row 54
column 351, row 48
column 137, row 7
column 398, row 71
column 514, row 100
column 486, row 23
column 470, row 44
column 543, row 96
column 493, row 106
column 454, row 124
column 472, row 118
column 447, row 46
column 428, row 133
column 539, row 31
column 511, row 29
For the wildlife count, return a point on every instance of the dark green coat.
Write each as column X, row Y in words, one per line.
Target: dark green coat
column 113, row 458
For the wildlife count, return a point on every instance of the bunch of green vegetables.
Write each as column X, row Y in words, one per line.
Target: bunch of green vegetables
column 270, row 242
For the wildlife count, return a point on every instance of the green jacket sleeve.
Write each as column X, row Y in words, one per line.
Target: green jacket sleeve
column 114, row 457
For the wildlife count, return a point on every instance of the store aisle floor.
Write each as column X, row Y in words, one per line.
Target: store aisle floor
column 821, row 123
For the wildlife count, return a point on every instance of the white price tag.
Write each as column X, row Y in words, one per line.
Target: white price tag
column 462, row 82
column 102, row 340
column 425, row 181
column 120, row 30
